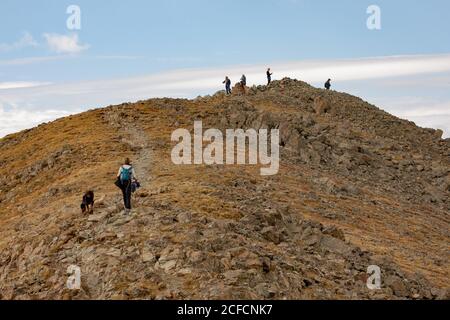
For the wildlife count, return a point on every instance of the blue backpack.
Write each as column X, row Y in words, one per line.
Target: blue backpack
column 125, row 174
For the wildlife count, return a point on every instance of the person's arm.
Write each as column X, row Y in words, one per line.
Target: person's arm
column 119, row 173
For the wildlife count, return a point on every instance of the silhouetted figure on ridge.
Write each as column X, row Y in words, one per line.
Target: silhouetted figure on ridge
column 328, row 84
column 227, row 83
column 269, row 76
column 243, row 81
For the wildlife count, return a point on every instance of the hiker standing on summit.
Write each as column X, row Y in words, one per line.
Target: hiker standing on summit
column 243, row 81
column 328, row 84
column 227, row 82
column 126, row 176
column 269, row 76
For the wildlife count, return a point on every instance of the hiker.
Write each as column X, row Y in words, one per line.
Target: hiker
column 328, row 84
column 243, row 81
column 126, row 176
column 227, row 85
column 269, row 76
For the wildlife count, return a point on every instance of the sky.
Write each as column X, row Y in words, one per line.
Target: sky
column 125, row 51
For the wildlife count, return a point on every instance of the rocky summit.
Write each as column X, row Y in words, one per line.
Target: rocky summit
column 357, row 187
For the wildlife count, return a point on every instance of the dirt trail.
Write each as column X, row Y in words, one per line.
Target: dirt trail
column 142, row 163
column 137, row 138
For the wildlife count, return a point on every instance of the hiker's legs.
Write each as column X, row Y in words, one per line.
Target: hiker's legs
column 126, row 191
column 128, row 196
column 124, row 197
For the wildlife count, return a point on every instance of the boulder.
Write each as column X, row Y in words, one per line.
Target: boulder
column 335, row 233
column 335, row 245
column 397, row 285
column 321, row 105
column 239, row 90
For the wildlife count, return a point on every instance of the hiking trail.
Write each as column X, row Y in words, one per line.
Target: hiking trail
column 136, row 138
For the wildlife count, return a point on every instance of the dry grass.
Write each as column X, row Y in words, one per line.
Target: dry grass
column 97, row 151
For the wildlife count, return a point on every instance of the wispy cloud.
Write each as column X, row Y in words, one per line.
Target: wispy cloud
column 413, row 106
column 45, row 59
column 65, row 46
column 361, row 69
column 25, row 41
column 29, row 60
column 118, row 57
column 65, row 43
column 15, row 120
column 433, row 121
column 21, row 84
column 192, row 82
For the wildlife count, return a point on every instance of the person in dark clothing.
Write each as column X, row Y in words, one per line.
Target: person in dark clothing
column 328, row 84
column 269, row 76
column 126, row 175
column 227, row 82
column 243, row 81
column 126, row 191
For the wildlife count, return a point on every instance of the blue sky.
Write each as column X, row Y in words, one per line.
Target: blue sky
column 130, row 50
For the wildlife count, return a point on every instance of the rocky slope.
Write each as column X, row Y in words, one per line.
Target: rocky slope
column 356, row 187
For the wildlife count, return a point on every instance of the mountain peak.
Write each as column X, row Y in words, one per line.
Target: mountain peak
column 357, row 187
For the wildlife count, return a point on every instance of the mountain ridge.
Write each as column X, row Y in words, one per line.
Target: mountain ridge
column 353, row 180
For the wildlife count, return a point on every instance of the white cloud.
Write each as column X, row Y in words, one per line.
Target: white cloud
column 418, row 107
column 21, row 84
column 15, row 120
column 433, row 121
column 190, row 83
column 30, row 60
column 64, row 43
column 25, row 41
column 36, row 60
column 425, row 112
column 118, row 57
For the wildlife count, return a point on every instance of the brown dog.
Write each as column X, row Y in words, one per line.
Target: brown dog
column 88, row 202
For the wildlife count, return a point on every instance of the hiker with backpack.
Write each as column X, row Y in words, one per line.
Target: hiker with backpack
column 227, row 82
column 125, row 179
column 328, row 84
